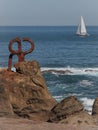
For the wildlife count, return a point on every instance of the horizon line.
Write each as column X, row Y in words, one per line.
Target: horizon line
column 43, row 25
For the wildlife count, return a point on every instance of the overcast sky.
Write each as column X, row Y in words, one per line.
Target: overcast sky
column 48, row 12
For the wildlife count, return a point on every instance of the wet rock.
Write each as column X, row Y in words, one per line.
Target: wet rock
column 57, row 71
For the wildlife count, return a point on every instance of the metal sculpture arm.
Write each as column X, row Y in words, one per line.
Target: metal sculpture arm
column 21, row 54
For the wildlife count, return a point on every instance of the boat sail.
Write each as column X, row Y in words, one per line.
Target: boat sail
column 81, row 31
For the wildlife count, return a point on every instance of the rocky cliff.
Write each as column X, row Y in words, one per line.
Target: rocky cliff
column 24, row 94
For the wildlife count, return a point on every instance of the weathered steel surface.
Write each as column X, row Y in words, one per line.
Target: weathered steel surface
column 21, row 54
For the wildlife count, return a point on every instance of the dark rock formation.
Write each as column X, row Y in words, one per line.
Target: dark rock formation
column 58, row 71
column 65, row 108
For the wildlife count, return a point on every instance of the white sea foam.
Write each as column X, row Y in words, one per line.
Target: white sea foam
column 88, row 103
column 71, row 71
column 13, row 69
column 86, row 83
column 58, row 98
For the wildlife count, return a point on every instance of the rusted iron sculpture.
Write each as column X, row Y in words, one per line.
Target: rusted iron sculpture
column 21, row 54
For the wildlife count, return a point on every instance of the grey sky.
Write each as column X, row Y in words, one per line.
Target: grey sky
column 48, row 12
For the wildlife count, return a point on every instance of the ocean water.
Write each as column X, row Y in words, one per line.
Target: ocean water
column 69, row 63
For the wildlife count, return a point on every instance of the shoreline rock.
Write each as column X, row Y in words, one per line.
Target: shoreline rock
column 67, row 107
column 24, row 94
column 27, row 91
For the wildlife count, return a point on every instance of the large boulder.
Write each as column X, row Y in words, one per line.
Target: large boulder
column 67, row 107
column 27, row 91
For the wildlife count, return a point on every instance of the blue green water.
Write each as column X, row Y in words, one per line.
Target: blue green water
column 59, row 50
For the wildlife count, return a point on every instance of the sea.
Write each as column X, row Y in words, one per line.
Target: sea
column 69, row 63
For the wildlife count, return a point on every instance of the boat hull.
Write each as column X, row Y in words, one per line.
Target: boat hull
column 83, row 35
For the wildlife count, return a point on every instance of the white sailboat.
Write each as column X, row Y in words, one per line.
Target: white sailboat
column 81, row 31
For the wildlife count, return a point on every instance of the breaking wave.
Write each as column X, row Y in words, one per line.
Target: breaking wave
column 71, row 71
column 88, row 103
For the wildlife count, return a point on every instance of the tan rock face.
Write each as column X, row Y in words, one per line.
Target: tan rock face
column 81, row 118
column 5, row 106
column 24, row 93
column 95, row 107
column 27, row 91
column 65, row 108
